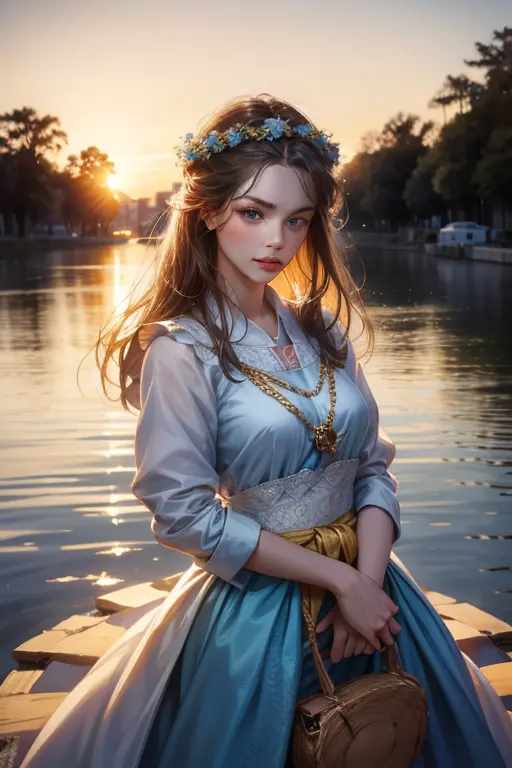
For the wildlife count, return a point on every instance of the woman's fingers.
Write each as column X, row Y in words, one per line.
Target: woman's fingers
column 347, row 641
column 360, row 645
column 326, row 621
column 339, row 642
column 393, row 607
column 373, row 640
column 350, row 646
column 367, row 609
column 386, row 636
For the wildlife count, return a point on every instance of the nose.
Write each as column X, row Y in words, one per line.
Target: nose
column 275, row 238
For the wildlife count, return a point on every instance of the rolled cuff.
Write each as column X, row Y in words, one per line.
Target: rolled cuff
column 373, row 492
column 238, row 541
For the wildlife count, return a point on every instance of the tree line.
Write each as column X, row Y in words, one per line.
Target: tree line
column 33, row 191
column 409, row 173
column 413, row 171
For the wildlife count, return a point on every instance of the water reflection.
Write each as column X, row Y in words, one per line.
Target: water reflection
column 118, row 551
column 103, row 580
column 441, row 373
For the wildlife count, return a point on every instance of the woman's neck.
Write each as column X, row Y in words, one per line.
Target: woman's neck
column 252, row 302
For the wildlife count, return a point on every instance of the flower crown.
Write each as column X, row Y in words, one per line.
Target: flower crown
column 272, row 128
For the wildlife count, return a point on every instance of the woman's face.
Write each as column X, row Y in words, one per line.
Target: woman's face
column 257, row 241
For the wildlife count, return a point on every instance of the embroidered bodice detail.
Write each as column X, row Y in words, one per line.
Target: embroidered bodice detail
column 273, row 359
column 302, row 500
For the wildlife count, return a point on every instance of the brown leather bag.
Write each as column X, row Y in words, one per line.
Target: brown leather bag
column 376, row 720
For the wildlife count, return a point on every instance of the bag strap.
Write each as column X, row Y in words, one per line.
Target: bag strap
column 390, row 656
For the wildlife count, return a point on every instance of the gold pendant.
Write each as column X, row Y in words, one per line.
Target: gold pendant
column 325, row 439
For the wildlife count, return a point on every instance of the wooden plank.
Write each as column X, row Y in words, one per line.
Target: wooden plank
column 80, row 646
column 500, row 677
column 168, row 583
column 503, row 640
column 27, row 712
column 77, row 623
column 461, row 631
column 129, row 616
column 129, row 597
column 437, row 598
column 58, row 677
column 474, row 617
column 19, row 681
column 55, row 678
column 482, row 651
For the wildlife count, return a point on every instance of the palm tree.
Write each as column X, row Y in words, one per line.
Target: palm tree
column 458, row 89
column 441, row 100
column 496, row 56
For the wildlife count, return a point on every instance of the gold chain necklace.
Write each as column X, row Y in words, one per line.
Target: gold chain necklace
column 325, row 434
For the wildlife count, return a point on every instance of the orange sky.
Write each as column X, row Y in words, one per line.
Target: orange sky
column 132, row 78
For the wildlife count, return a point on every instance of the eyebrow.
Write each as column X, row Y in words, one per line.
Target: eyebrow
column 271, row 206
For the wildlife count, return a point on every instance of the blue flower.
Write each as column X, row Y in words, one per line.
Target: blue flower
column 334, row 154
column 303, row 130
column 191, row 155
column 213, row 143
column 233, row 138
column 189, row 136
column 276, row 126
column 320, row 141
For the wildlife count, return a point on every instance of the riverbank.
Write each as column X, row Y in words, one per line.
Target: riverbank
column 399, row 242
column 488, row 253
column 375, row 245
column 380, row 241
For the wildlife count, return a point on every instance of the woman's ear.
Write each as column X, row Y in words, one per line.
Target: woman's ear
column 216, row 219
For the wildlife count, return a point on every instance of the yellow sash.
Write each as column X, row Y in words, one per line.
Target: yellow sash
column 337, row 540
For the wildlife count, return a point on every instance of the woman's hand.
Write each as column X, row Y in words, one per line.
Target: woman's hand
column 366, row 607
column 346, row 640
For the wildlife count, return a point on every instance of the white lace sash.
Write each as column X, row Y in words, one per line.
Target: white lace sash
column 307, row 498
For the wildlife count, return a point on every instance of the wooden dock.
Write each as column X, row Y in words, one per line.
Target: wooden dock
column 52, row 663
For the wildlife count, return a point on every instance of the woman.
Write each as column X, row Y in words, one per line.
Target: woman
column 255, row 422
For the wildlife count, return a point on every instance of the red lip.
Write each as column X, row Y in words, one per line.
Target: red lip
column 268, row 261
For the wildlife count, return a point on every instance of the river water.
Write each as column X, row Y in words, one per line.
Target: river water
column 69, row 526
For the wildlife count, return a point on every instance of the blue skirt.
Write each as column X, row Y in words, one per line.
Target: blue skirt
column 231, row 697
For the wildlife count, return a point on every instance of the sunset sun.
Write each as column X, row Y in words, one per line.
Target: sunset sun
column 113, row 181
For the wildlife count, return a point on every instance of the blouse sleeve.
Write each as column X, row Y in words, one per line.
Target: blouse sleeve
column 175, row 456
column 374, row 484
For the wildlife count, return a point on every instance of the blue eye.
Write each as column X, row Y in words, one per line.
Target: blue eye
column 253, row 210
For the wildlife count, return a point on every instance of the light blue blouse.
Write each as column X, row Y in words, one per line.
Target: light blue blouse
column 200, row 436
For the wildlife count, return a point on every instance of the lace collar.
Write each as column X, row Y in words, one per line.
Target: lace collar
column 245, row 332
column 252, row 344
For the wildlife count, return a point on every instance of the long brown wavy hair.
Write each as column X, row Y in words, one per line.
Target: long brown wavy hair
column 185, row 271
